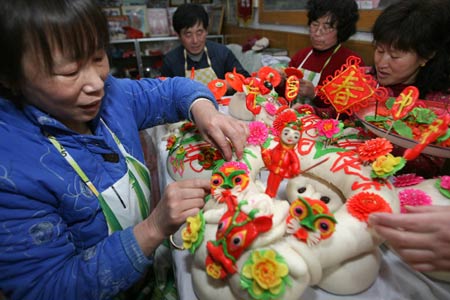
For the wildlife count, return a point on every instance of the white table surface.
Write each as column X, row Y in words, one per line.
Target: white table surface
column 396, row 280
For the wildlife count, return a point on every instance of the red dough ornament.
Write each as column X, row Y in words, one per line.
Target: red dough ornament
column 282, row 161
column 350, row 88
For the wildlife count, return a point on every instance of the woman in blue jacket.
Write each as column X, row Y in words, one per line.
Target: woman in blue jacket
column 74, row 216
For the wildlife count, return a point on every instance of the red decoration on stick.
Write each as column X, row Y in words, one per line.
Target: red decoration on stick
column 350, row 88
column 436, row 129
column 405, row 102
column 292, row 88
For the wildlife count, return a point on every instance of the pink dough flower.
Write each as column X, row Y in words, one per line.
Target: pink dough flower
column 445, row 182
column 270, row 108
column 413, row 197
column 258, row 133
column 329, row 127
column 407, row 180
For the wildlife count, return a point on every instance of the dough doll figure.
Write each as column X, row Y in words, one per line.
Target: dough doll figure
column 282, row 160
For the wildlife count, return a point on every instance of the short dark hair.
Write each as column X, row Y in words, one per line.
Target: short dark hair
column 78, row 28
column 343, row 13
column 187, row 15
column 421, row 27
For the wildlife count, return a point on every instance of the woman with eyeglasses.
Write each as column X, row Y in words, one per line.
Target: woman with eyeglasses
column 330, row 23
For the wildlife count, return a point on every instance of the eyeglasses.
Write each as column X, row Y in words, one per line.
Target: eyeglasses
column 324, row 27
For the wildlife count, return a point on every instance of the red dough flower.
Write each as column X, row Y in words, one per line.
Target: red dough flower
column 363, row 204
column 371, row 149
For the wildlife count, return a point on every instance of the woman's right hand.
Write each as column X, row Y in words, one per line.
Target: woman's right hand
column 180, row 200
column 307, row 89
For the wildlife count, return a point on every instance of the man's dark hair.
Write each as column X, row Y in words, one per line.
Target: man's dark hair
column 187, row 15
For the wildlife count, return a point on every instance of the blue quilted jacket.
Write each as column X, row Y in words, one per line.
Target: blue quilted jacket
column 54, row 241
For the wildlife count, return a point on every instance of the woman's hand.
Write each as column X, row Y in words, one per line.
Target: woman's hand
column 421, row 236
column 307, row 89
column 181, row 200
column 222, row 131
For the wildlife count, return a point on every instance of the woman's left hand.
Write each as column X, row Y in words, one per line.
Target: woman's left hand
column 421, row 236
column 223, row 132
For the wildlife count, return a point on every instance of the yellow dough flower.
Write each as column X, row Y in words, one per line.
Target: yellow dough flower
column 192, row 234
column 387, row 165
column 264, row 275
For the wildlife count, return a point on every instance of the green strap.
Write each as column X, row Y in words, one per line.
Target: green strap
column 143, row 174
column 111, row 219
column 329, row 58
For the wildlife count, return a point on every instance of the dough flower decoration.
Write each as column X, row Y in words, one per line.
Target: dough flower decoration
column 371, row 149
column 329, row 130
column 413, row 197
column 258, row 133
column 361, row 205
column 270, row 108
column 445, row 182
column 208, row 157
column 188, row 127
column 264, row 275
column 443, row 185
column 171, row 142
column 406, row 180
column 193, row 233
column 387, row 165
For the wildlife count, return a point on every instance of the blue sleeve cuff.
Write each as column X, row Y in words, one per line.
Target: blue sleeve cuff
column 134, row 253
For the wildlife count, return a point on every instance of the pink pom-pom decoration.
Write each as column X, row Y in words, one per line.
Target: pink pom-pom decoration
column 413, row 197
column 258, row 133
column 270, row 108
column 445, row 182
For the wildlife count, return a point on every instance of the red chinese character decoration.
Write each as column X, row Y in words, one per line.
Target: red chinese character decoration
column 405, row 102
column 436, row 129
column 350, row 88
column 292, row 88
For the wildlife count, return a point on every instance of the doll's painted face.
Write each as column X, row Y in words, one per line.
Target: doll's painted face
column 289, row 136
